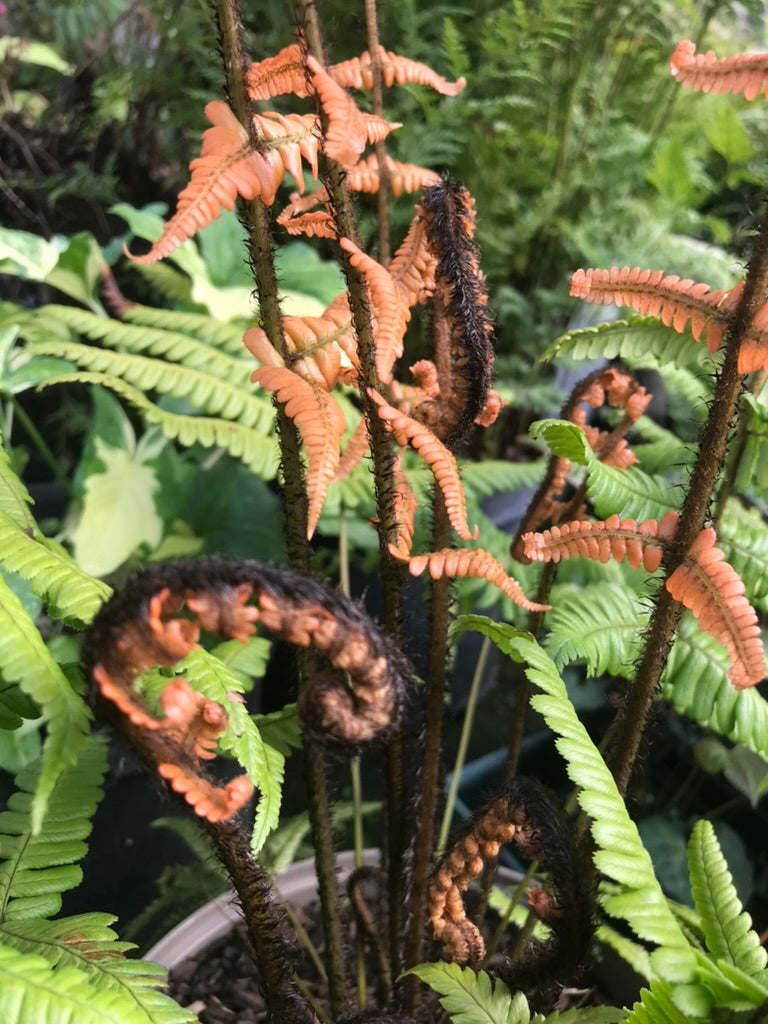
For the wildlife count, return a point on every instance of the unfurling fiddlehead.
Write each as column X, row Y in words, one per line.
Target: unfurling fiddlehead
column 524, row 814
column 141, row 626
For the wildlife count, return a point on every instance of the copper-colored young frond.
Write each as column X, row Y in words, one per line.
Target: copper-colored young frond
column 405, row 505
column 214, row 803
column 413, row 265
column 364, row 176
column 357, row 73
column 522, row 813
column 290, row 137
column 312, row 224
column 478, row 564
column 464, row 358
column 743, row 72
column 348, row 130
column 275, row 76
column 707, row 585
column 390, row 312
column 140, row 626
column 652, row 293
column 356, row 448
column 227, row 167
column 321, row 424
column 191, row 719
column 640, row 543
column 442, row 463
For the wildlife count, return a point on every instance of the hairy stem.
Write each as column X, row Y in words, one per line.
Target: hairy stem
column 255, row 217
column 632, row 717
column 392, row 572
column 377, row 107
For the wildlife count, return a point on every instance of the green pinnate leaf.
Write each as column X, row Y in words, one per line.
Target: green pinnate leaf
column 472, row 997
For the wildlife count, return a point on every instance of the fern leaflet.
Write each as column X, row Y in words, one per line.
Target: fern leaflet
column 227, row 337
column 472, row 997
column 637, row 338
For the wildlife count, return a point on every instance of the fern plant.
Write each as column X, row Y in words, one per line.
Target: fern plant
column 340, row 395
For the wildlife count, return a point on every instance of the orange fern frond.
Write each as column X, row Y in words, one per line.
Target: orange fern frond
column 349, row 130
column 259, row 345
column 227, row 167
column 707, row 585
column 291, row 137
column 652, row 293
column 365, row 177
column 314, row 224
column 490, row 411
column 477, row 563
column 640, row 543
column 194, row 721
column 275, row 76
column 743, row 72
column 356, row 448
column 357, row 73
column 313, row 347
column 425, row 374
column 321, row 424
column 406, row 431
column 390, row 312
column 405, row 506
column 214, row 803
column 413, row 265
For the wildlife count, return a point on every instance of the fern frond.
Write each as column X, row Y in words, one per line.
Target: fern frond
column 256, row 449
column 413, row 265
column 356, row 448
column 390, row 313
column 636, row 338
column 275, row 76
column 357, row 73
column 743, row 72
column 15, row 500
column 477, row 563
column 349, row 130
column 24, row 659
column 441, row 462
column 227, row 337
column 600, row 625
column 677, row 301
column 743, row 536
column 713, row 591
column 312, row 224
column 639, row 543
column 170, row 345
column 86, row 942
column 656, row 1006
column 321, row 424
column 365, row 176
column 213, row 803
column 287, row 138
column 620, row 854
column 227, row 167
column 37, row 868
column 201, row 389
column 726, row 926
column 241, row 738
column 471, row 997
column 52, row 573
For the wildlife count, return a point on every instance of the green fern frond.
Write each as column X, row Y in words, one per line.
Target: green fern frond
column 726, row 926
column 156, row 341
column 491, row 476
column 37, row 867
column 200, row 389
column 31, row 990
column 639, row 338
column 88, row 943
column 620, row 854
column 167, row 281
column 631, row 952
column 696, row 682
column 52, row 573
column 241, row 739
column 743, row 536
column 662, row 449
column 656, row 1007
column 472, row 997
column 24, row 659
column 226, row 337
column 629, row 493
column 753, row 464
column 14, row 498
column 599, row 624
column 256, row 449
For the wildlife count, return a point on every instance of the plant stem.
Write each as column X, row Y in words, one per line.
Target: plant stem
column 461, row 753
column 631, row 720
column 42, row 446
column 260, row 244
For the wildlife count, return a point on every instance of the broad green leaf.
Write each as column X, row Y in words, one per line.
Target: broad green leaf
column 118, row 513
column 25, row 254
column 32, row 51
column 472, row 997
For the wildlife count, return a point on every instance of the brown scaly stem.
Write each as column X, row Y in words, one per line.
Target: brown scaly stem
column 429, row 777
column 377, row 107
column 631, row 720
column 392, row 572
column 261, row 247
